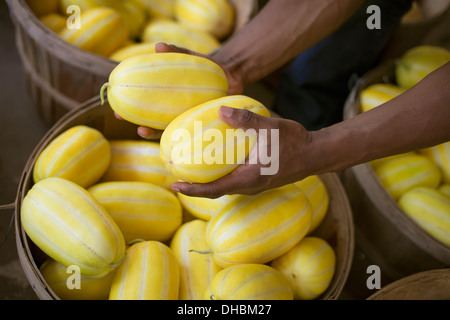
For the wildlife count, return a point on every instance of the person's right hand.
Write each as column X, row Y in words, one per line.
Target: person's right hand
column 288, row 143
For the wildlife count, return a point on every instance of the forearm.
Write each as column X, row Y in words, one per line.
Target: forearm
column 417, row 119
column 282, row 30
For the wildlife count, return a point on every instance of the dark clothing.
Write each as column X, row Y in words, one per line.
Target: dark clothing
column 313, row 89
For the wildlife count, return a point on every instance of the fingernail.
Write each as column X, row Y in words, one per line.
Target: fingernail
column 226, row 112
column 175, row 188
column 144, row 133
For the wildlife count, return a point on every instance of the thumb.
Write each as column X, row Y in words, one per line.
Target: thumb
column 242, row 118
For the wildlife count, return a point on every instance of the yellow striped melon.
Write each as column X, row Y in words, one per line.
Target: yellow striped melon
column 309, row 267
column 132, row 50
column 377, row 162
column 317, row 195
column 259, row 228
column 440, row 154
column 204, row 208
column 141, row 210
column 153, row 89
column 172, row 32
column 132, row 11
column 103, row 31
column 54, row 21
column 401, row 174
column 149, row 272
column 70, row 226
column 445, row 189
column 198, row 146
column 57, row 276
column 80, row 154
column 430, row 209
column 418, row 62
column 137, row 160
column 249, row 282
column 196, row 270
column 377, row 94
column 213, row 16
column 43, row 7
column 135, row 16
column 159, row 8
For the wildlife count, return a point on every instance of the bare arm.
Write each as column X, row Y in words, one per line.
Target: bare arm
column 416, row 119
column 280, row 31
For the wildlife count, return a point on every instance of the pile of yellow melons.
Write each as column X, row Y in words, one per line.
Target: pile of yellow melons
column 106, row 207
column 419, row 181
column 119, row 29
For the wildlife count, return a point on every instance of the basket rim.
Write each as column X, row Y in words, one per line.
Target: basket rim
column 368, row 180
column 333, row 292
column 429, row 276
column 28, row 264
column 429, row 20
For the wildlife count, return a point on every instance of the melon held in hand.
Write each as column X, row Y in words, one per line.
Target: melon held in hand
column 153, row 89
column 198, row 146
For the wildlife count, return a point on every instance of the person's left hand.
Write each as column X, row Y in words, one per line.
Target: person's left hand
column 289, row 165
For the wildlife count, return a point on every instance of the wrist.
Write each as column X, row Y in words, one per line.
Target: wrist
column 318, row 152
column 335, row 148
column 234, row 71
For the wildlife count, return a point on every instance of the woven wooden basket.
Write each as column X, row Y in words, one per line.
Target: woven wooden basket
column 427, row 285
column 337, row 227
column 384, row 235
column 427, row 22
column 59, row 76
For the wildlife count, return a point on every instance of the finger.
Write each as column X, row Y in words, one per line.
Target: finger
column 162, row 47
column 204, row 190
column 117, row 116
column 243, row 119
column 229, row 184
column 149, row 133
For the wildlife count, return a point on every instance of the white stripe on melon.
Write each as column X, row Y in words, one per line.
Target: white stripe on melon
column 257, row 229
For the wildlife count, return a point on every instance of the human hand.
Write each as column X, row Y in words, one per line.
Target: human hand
column 286, row 144
column 145, row 132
